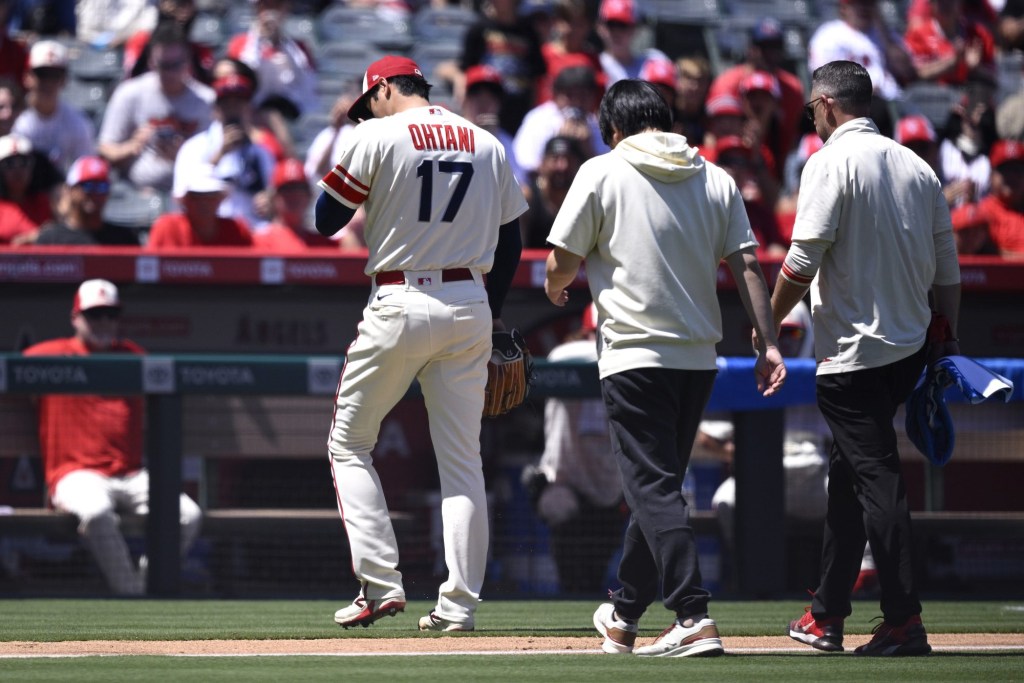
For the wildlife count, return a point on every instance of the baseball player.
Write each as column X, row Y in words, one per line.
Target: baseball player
column 441, row 211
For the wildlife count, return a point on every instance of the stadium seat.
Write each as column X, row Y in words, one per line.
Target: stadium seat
column 133, row 208
column 693, row 12
column 87, row 63
column 340, row 23
column 302, row 27
column 207, row 29
column 448, row 24
column 89, row 96
column 799, row 12
column 341, row 60
column 428, row 55
column 932, row 100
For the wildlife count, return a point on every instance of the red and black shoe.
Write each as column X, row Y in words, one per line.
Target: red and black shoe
column 822, row 634
column 908, row 639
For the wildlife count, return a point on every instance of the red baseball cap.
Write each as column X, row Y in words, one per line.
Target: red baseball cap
column 915, row 128
column 809, row 144
column 483, row 73
column 233, row 85
column 588, row 323
column 1005, row 151
column 622, row 11
column 724, row 105
column 732, row 143
column 761, row 80
column 87, row 168
column 659, row 71
column 288, row 171
column 385, row 67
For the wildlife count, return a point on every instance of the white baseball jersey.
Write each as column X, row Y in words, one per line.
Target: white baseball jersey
column 421, row 164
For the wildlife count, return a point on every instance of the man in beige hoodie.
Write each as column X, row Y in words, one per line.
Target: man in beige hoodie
column 653, row 221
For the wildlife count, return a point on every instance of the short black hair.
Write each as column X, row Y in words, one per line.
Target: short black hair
column 632, row 106
column 848, row 83
column 410, row 85
column 563, row 145
column 169, row 33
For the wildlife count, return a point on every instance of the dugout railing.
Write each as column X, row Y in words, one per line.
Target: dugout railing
column 209, row 384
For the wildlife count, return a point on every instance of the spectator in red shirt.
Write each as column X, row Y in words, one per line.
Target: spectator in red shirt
column 289, row 232
column 996, row 223
column 199, row 225
column 92, row 445
column 765, row 53
column 736, row 157
column 949, row 48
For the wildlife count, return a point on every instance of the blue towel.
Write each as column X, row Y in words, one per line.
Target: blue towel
column 929, row 424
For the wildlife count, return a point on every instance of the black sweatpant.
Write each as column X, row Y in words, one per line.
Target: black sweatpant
column 867, row 498
column 653, row 415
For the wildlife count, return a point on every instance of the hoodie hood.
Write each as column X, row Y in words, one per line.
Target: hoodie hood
column 663, row 156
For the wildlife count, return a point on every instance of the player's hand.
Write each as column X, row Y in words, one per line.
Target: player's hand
column 558, row 296
column 235, row 137
column 770, row 371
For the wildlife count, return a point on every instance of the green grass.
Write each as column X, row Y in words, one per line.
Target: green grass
column 56, row 620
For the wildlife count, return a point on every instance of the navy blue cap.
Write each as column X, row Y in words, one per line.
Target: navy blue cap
column 768, row 30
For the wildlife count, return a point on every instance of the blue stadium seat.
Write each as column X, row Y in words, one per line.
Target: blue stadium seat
column 339, row 60
column 694, row 12
column 340, row 23
column 132, row 208
column 448, row 24
column 207, row 29
column 89, row 96
column 428, row 55
column 87, row 63
column 932, row 100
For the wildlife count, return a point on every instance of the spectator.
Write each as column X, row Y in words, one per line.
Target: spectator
column 482, row 103
column 580, row 488
column 506, row 41
column 150, row 116
column 737, row 159
column 691, row 93
column 662, row 74
column 183, row 13
column 725, row 118
column 199, row 225
column 13, row 55
column 570, row 38
column 996, row 223
column 976, row 11
column 546, row 191
column 963, row 153
column 92, row 445
column 53, row 126
column 80, row 210
column 1010, row 25
column 328, row 143
column 951, row 49
column 25, row 184
column 289, row 231
column 226, row 147
column 916, row 133
column 109, row 23
column 570, row 112
column 759, row 95
column 284, row 67
column 12, row 103
column 258, row 132
column 765, row 54
column 617, row 24
column 785, row 205
column 860, row 35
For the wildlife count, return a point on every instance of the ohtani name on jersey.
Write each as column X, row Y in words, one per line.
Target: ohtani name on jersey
column 442, row 137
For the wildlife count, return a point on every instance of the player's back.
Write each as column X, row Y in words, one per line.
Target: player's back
column 440, row 187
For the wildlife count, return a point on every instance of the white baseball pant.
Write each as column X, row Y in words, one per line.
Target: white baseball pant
column 440, row 334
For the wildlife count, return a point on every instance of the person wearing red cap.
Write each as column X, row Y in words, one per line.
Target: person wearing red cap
column 765, row 53
column 949, row 48
column 874, row 244
column 575, row 487
column 736, row 157
column 91, row 445
column 80, row 210
column 915, row 132
column 482, row 101
column 227, row 146
column 442, row 210
column 568, row 40
column 653, row 222
column 996, row 223
column 24, row 196
column 617, row 23
column 291, row 196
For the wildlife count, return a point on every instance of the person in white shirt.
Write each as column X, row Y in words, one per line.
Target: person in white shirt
column 872, row 240
column 654, row 220
column 617, row 25
column 54, row 127
column 859, row 35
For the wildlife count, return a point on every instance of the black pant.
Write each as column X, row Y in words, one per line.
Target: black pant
column 653, row 415
column 867, row 498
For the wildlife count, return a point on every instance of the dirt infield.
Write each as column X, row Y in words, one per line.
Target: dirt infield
column 460, row 644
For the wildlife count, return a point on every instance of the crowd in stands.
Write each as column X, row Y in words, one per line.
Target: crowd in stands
column 226, row 131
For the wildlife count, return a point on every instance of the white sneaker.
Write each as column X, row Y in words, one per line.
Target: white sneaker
column 432, row 622
column 363, row 612
column 687, row 639
column 619, row 635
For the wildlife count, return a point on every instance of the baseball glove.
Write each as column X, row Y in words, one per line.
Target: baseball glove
column 509, row 373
